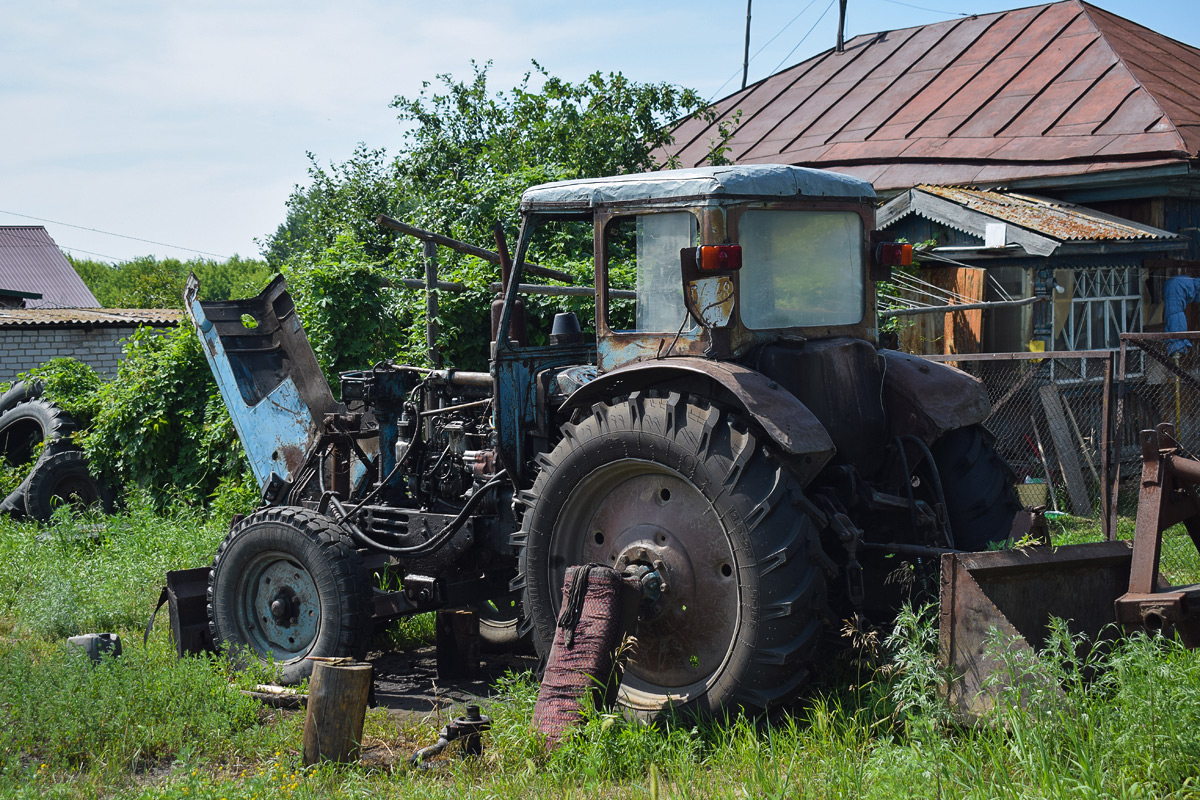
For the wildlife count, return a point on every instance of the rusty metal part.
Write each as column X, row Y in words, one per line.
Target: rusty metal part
column 927, row 399
column 633, row 512
column 1091, row 586
column 789, row 424
column 1003, row 600
column 1168, row 496
column 468, row 727
column 269, row 378
column 385, row 221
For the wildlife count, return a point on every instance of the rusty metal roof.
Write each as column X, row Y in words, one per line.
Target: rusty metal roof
column 1063, row 221
column 30, row 262
column 88, row 317
column 1059, row 89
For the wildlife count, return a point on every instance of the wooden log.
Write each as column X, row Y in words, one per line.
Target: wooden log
column 457, row 636
column 1068, row 454
column 337, row 706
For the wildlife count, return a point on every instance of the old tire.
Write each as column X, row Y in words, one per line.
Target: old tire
column 981, row 500
column 499, row 623
column 60, row 477
column 683, row 481
column 24, row 426
column 287, row 584
column 19, row 393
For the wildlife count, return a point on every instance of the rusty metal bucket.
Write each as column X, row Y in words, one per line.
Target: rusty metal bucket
column 1099, row 589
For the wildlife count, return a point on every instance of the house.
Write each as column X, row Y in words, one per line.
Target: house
column 29, row 337
column 1061, row 102
column 46, row 311
column 35, row 274
column 1061, row 276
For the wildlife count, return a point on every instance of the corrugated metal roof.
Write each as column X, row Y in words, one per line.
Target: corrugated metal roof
column 1062, row 88
column 92, row 317
column 1062, row 221
column 30, row 261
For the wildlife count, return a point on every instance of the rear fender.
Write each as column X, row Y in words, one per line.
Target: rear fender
column 927, row 399
column 787, row 422
column 268, row 375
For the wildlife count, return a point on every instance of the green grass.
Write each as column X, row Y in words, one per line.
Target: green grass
column 148, row 725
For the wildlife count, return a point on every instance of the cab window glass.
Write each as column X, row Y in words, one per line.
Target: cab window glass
column 643, row 268
column 800, row 268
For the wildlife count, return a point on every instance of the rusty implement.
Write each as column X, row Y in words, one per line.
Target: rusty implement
column 1008, row 597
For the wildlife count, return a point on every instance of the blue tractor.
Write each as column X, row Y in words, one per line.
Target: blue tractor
column 733, row 426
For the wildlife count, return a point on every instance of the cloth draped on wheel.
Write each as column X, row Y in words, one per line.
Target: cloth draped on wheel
column 599, row 608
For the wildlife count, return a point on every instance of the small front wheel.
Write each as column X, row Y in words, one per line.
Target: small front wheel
column 287, row 584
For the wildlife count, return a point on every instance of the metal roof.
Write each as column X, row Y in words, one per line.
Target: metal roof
column 31, row 262
column 1063, row 221
column 756, row 180
column 1064, row 88
column 1038, row 224
column 88, row 317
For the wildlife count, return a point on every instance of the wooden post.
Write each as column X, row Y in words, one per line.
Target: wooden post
column 457, row 636
column 431, row 305
column 337, row 705
column 1068, row 455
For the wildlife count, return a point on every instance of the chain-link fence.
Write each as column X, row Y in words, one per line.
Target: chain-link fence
column 1068, row 423
column 1048, row 416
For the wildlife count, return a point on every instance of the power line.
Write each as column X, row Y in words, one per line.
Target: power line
column 758, row 52
column 118, row 235
column 933, row 10
column 810, row 30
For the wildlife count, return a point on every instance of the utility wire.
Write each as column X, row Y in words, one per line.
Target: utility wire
column 758, row 52
column 934, row 10
column 118, row 235
column 810, row 30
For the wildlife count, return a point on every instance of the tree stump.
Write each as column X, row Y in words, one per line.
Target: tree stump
column 337, row 704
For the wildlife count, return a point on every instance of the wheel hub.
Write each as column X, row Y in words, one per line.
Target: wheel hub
column 282, row 607
column 637, row 512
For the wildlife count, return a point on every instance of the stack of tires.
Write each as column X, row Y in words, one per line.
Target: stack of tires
column 30, row 424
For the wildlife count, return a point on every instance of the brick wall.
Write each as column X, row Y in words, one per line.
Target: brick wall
column 99, row 347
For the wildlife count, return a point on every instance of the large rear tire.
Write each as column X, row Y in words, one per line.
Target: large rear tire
column 287, row 584
column 683, row 482
column 981, row 499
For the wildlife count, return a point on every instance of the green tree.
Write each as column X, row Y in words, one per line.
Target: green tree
column 149, row 282
column 468, row 154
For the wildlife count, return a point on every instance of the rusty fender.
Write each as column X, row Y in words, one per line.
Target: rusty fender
column 927, row 399
column 787, row 422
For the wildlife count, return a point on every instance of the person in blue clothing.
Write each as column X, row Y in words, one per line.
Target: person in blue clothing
column 1179, row 291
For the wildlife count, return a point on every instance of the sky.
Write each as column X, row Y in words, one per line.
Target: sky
column 182, row 128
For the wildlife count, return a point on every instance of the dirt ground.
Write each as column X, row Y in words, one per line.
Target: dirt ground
column 406, row 681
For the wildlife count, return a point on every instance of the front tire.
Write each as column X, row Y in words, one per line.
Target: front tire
column 981, row 501
column 682, row 482
column 287, row 584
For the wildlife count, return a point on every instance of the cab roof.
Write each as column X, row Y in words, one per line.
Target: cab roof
column 680, row 185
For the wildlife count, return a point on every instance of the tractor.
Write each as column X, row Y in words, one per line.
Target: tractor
column 732, row 427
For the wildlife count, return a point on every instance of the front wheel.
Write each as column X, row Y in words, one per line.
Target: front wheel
column 684, row 486
column 287, row 584
column 981, row 499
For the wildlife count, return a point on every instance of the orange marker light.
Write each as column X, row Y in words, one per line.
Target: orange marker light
column 893, row 254
column 716, row 257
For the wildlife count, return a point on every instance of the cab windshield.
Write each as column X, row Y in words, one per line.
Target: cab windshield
column 800, row 268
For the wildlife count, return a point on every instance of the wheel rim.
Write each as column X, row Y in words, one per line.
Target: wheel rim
column 76, row 490
column 279, row 607
column 499, row 612
column 635, row 511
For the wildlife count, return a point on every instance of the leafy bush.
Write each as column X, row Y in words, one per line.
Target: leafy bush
column 149, row 282
column 161, row 424
column 71, row 385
